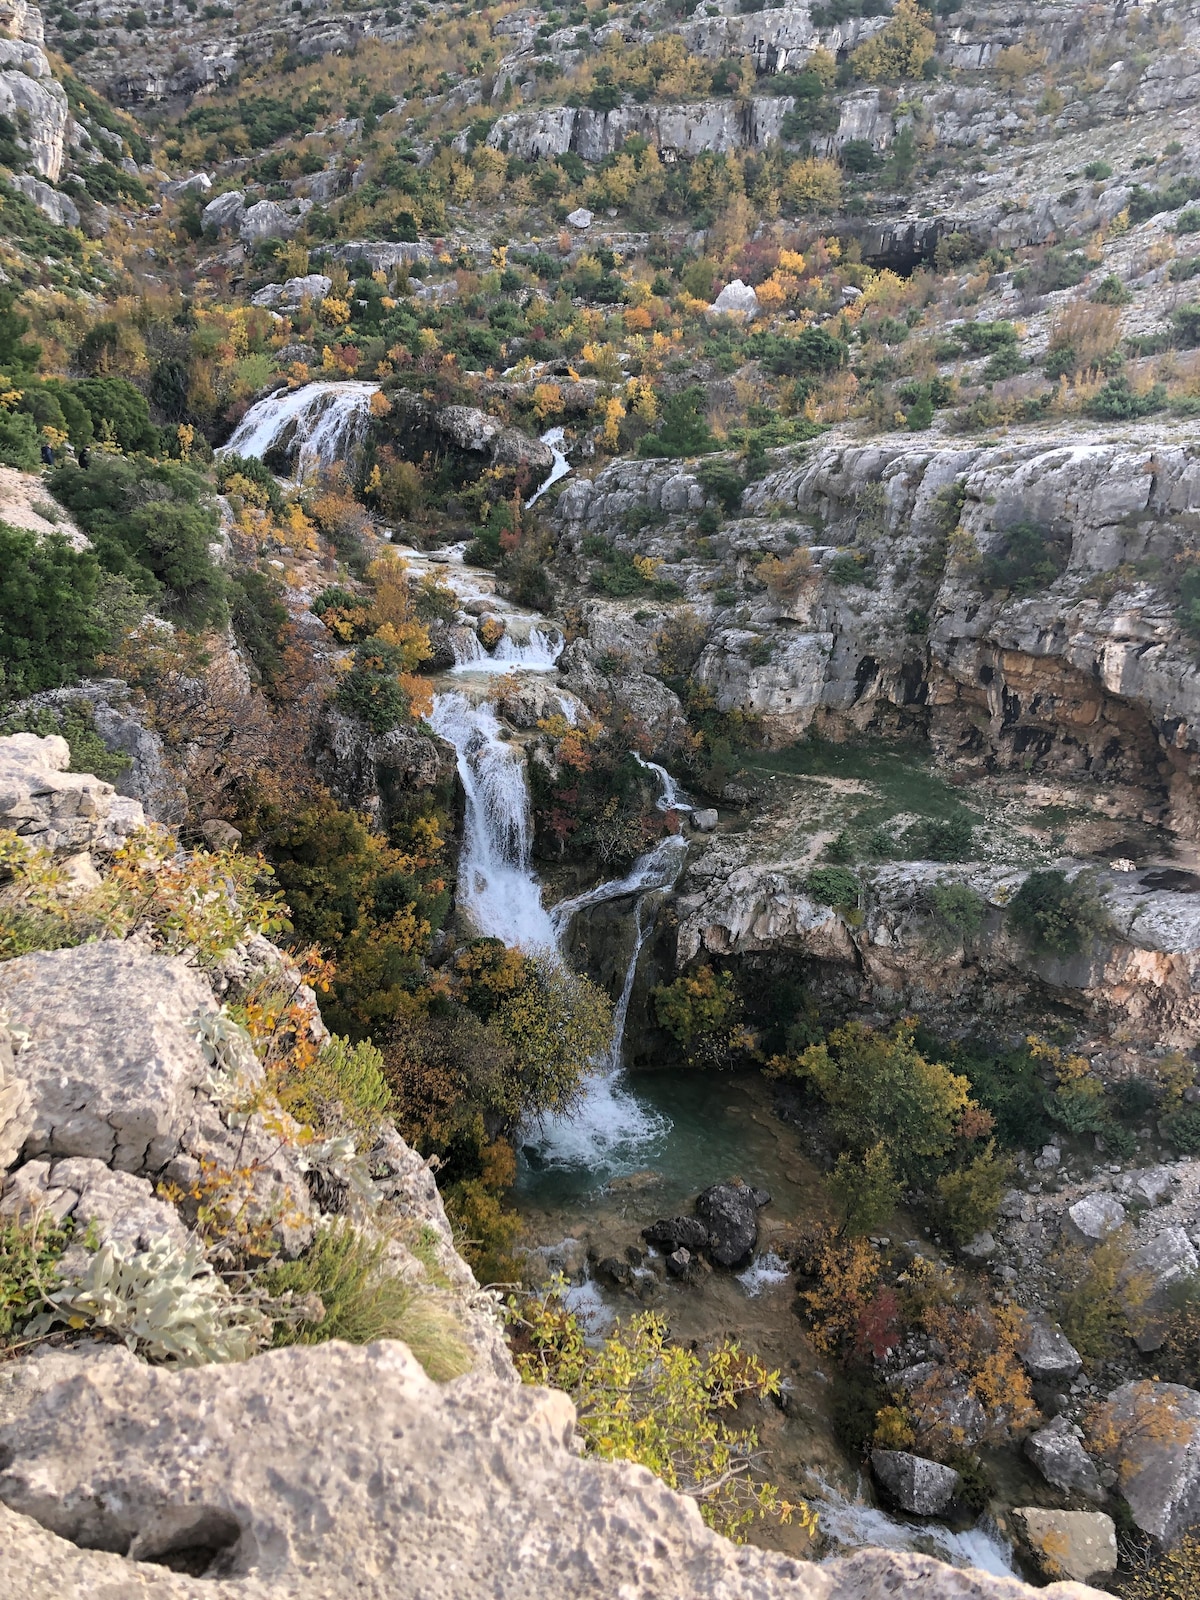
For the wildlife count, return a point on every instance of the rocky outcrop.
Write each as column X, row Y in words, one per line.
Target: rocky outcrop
column 30, row 96
column 57, row 810
column 266, row 1477
column 725, row 1227
column 382, row 774
column 1058, row 1454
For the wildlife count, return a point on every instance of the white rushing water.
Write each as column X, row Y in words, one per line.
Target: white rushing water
column 672, row 797
column 496, row 884
column 321, row 423
column 853, row 1524
column 561, row 466
column 538, row 653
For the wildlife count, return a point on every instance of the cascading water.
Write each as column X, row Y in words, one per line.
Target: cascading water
column 320, row 424
column 496, row 885
column 672, row 797
column 559, row 469
column 538, row 653
column 853, row 1524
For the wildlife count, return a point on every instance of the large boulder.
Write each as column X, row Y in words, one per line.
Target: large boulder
column 731, row 1213
column 266, row 220
column 225, row 213
column 54, row 809
column 675, row 1233
column 113, row 1060
column 1059, row 1456
column 1069, row 1544
column 52, row 203
column 309, row 1472
column 1152, row 1435
column 915, row 1484
column 1094, row 1217
column 1046, row 1353
column 1158, row 1266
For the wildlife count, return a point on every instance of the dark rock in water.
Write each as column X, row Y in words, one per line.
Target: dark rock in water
column 917, row 1485
column 615, row 1271
column 671, row 1234
column 731, row 1213
column 689, row 1268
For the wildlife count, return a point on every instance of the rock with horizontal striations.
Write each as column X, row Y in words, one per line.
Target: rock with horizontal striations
column 54, row 809
column 915, row 1484
column 1069, row 1544
column 292, row 1475
column 1046, row 1353
column 1061, row 1459
column 730, row 1212
column 113, row 1062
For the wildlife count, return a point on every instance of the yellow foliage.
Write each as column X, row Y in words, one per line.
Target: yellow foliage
column 900, row 50
column 813, row 183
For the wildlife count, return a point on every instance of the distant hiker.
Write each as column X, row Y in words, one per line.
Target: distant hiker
column 47, row 456
column 85, row 455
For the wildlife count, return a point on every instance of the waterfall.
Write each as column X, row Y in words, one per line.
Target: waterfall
column 559, row 468
column 852, row 1524
column 671, row 797
column 657, row 869
column 320, row 424
column 538, row 653
column 496, row 885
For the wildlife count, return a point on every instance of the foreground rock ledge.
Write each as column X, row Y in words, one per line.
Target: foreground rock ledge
column 322, row 1473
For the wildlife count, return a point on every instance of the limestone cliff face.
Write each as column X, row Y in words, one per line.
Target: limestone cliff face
column 29, row 94
column 1090, row 677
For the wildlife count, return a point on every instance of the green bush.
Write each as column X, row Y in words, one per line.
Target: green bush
column 1111, row 292
column 1187, row 221
column 1187, row 325
column 956, row 911
column 1058, row 915
column 29, row 1253
column 49, row 633
column 19, row 444
column 119, row 413
column 986, row 338
column 683, row 430
column 1027, row 560
column 833, row 886
column 1097, row 171
column 969, row 1196
column 1117, row 402
column 258, row 615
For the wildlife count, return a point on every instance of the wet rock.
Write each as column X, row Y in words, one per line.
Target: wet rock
column 1061, row 1459
column 1157, row 1428
column 1046, row 1353
column 915, row 1484
column 1094, row 1217
column 679, row 1232
column 615, row 1271
column 704, row 821
column 1069, row 1544
column 687, row 1266
column 731, row 1214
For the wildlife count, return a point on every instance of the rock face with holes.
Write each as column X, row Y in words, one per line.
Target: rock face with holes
column 306, row 1470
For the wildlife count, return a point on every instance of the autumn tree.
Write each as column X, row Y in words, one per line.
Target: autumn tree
column 900, row 50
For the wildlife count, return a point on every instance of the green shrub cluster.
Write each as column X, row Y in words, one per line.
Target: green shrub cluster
column 1059, row 916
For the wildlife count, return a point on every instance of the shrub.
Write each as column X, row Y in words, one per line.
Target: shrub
column 1110, row 291
column 697, row 1003
column 900, row 50
column 49, row 633
column 1057, row 915
column 360, row 1301
column 1187, row 325
column 19, row 445
column 119, row 413
column 986, row 338
column 969, row 1196
column 942, row 838
column 343, row 1090
column 29, row 1254
column 955, row 910
column 865, row 1191
column 1187, row 221
column 638, row 1398
column 1027, row 560
column 833, row 886
column 1097, row 171
column 683, row 431
column 1102, row 1301
column 1118, row 402
column 258, row 615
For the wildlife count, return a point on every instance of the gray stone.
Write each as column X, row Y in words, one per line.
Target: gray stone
column 1046, row 1353
column 60, row 208
column 914, row 1483
column 305, row 1470
column 195, row 183
column 678, row 1232
column 581, row 218
column 55, row 809
column 224, row 214
column 1157, row 1428
column 30, row 96
column 266, row 220
column 705, row 820
column 736, row 299
column 122, row 1208
column 1061, row 1459
column 1096, row 1216
column 1152, row 1186
column 981, row 1247
column 1163, row 1262
column 113, row 1061
column 221, row 835
column 730, row 1212
column 1070, row 1544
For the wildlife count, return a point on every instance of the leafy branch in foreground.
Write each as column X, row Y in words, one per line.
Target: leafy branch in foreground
column 640, row 1398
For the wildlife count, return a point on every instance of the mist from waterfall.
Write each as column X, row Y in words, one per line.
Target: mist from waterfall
column 322, row 423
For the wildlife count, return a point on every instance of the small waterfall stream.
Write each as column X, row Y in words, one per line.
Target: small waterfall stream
column 320, row 424
column 554, row 438
column 538, row 653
